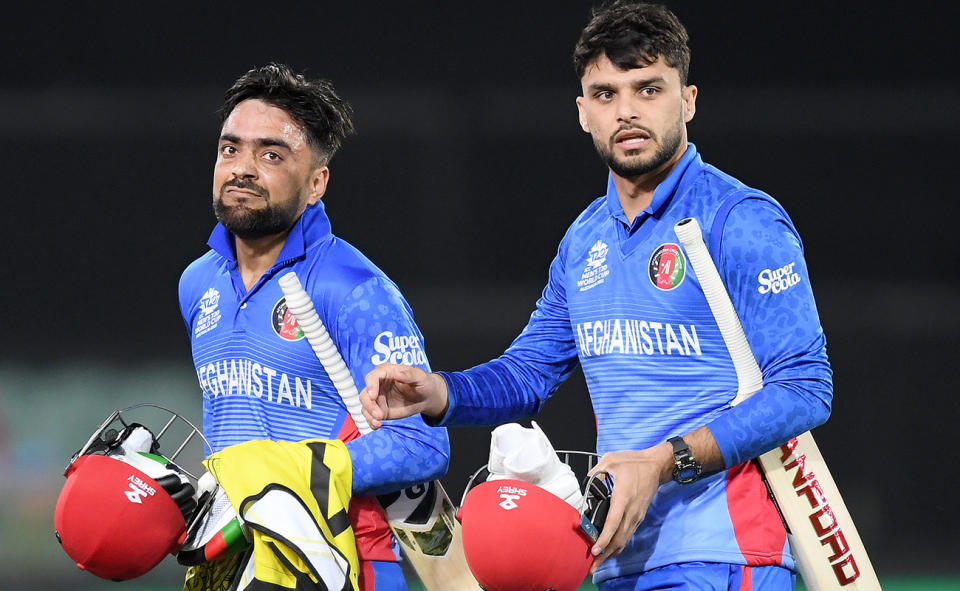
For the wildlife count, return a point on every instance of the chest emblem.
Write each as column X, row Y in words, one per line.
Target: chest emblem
column 667, row 267
column 596, row 270
column 209, row 313
column 284, row 324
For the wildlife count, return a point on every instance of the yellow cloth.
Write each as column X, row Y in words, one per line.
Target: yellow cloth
column 293, row 497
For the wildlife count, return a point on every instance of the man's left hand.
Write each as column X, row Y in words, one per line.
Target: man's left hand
column 636, row 476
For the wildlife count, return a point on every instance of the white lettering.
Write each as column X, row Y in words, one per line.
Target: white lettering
column 645, row 335
column 627, row 336
column 257, row 382
column 690, row 339
column 304, row 395
column 270, row 373
column 777, row 280
column 284, row 392
column 617, row 339
column 403, row 349
column 656, row 326
column 672, row 341
column 632, row 337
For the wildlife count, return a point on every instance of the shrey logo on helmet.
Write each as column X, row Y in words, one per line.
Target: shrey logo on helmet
column 510, row 494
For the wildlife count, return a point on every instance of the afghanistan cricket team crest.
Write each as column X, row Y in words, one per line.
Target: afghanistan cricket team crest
column 667, row 267
column 284, row 324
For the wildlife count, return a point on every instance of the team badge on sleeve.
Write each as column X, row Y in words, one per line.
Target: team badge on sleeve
column 284, row 324
column 667, row 267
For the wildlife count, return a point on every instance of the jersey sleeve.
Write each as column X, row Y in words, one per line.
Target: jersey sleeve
column 762, row 264
column 375, row 325
column 516, row 384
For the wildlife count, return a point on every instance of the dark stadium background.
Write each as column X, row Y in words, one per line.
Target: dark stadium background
column 466, row 170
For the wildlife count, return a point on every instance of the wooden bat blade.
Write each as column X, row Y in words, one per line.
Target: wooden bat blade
column 825, row 542
column 436, row 553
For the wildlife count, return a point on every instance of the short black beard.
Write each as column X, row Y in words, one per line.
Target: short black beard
column 252, row 224
column 666, row 151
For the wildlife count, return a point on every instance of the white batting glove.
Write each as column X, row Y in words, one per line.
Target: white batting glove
column 519, row 453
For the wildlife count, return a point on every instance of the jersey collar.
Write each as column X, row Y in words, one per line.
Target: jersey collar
column 310, row 228
column 661, row 195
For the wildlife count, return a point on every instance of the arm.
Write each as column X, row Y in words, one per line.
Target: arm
column 762, row 264
column 375, row 325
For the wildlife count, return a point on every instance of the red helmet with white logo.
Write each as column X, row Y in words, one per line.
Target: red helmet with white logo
column 124, row 505
column 520, row 537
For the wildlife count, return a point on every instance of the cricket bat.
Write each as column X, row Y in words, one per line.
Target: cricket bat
column 422, row 517
column 825, row 542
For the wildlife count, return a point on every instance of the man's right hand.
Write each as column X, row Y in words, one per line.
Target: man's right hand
column 398, row 391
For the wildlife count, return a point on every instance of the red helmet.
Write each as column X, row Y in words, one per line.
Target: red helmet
column 520, row 537
column 124, row 505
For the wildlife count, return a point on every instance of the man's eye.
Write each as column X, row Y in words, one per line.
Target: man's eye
column 271, row 156
column 649, row 91
column 228, row 150
column 604, row 95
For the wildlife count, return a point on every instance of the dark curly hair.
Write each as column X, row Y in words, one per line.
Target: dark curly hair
column 633, row 35
column 314, row 104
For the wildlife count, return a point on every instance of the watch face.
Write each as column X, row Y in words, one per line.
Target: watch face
column 686, row 469
column 686, row 475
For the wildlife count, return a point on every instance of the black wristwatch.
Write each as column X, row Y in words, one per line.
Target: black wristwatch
column 686, row 468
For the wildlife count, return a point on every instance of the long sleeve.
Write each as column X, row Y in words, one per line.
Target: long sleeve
column 762, row 264
column 375, row 325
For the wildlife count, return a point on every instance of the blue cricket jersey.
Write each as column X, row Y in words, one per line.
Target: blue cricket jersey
column 261, row 379
column 622, row 301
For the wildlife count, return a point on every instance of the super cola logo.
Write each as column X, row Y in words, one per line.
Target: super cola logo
column 401, row 349
column 777, row 280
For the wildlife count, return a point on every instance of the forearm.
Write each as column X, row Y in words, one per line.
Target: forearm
column 496, row 392
column 397, row 457
column 772, row 416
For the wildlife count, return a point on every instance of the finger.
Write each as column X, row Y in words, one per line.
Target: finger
column 369, row 405
column 601, row 466
column 375, row 376
column 374, row 422
column 610, row 525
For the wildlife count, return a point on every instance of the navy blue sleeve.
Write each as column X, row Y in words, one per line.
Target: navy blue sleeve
column 516, row 384
column 762, row 264
column 375, row 325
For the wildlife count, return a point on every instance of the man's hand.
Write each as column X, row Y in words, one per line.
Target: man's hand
column 398, row 391
column 636, row 477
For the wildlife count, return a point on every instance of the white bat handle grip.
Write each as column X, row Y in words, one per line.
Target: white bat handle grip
column 299, row 304
column 749, row 377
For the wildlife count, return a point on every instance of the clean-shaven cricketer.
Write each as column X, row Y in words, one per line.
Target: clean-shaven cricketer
column 689, row 509
column 260, row 377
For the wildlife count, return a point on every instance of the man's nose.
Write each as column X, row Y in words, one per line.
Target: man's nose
column 244, row 167
column 626, row 108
